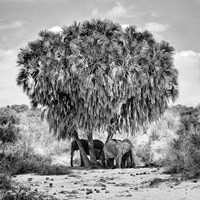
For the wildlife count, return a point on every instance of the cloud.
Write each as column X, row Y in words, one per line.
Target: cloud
column 56, row 29
column 154, row 14
column 156, row 27
column 115, row 12
column 124, row 26
column 10, row 93
column 188, row 65
column 4, row 24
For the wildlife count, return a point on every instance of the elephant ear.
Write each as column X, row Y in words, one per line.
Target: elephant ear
column 125, row 147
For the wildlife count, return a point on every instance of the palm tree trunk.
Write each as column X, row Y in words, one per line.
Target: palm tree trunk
column 82, row 152
column 110, row 134
column 93, row 161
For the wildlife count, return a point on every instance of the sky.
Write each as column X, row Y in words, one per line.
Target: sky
column 175, row 21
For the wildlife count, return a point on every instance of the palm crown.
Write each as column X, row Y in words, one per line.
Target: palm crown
column 93, row 72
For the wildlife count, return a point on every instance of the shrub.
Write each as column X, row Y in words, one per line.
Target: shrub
column 30, row 164
column 184, row 156
column 8, row 122
column 144, row 153
column 5, row 182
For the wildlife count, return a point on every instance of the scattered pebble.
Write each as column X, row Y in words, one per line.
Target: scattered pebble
column 62, row 192
column 89, row 191
column 102, row 180
column 97, row 191
column 74, row 192
column 110, row 182
column 50, row 184
column 99, row 185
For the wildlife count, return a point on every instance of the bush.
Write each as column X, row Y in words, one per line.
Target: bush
column 23, row 193
column 8, row 122
column 144, row 153
column 5, row 182
column 184, row 156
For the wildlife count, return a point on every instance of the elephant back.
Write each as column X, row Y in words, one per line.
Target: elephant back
column 98, row 144
column 111, row 148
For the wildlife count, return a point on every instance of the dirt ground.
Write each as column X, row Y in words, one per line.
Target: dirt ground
column 112, row 184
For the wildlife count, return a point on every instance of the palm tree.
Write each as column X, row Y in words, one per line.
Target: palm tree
column 94, row 73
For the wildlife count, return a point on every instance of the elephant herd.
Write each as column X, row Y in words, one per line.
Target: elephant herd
column 114, row 153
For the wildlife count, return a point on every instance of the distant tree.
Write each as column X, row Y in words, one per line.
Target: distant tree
column 189, row 118
column 8, row 129
column 94, row 73
column 20, row 108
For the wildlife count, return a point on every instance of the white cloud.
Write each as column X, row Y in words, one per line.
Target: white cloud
column 124, row 26
column 56, row 29
column 10, row 24
column 10, row 93
column 188, row 65
column 154, row 14
column 156, row 27
column 115, row 12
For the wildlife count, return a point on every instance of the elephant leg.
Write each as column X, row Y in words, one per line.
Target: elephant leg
column 82, row 164
column 132, row 157
column 118, row 161
column 119, row 156
column 102, row 158
column 110, row 162
column 123, row 165
column 129, row 159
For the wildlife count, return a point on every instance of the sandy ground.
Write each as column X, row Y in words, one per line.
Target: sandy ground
column 112, row 184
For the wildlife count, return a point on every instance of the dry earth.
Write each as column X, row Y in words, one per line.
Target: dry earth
column 113, row 184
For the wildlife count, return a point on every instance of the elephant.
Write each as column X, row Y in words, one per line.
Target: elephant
column 112, row 151
column 128, row 158
column 118, row 151
column 98, row 147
